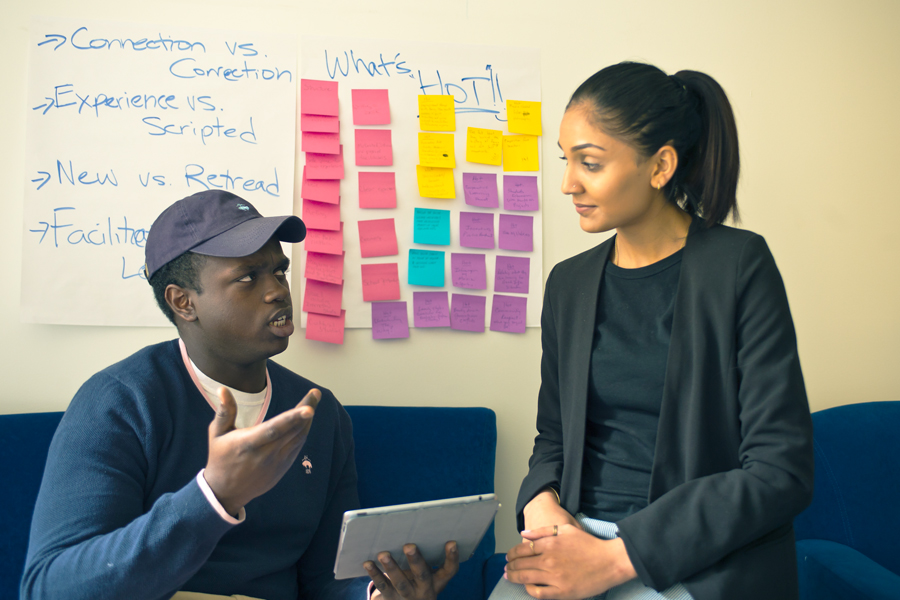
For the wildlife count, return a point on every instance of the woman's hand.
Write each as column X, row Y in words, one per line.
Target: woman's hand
column 419, row 582
column 544, row 510
column 568, row 566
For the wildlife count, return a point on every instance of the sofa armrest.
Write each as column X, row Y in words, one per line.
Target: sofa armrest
column 832, row 571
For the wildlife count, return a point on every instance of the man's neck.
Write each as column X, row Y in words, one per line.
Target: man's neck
column 250, row 378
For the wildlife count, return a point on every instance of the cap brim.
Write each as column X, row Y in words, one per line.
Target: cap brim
column 251, row 235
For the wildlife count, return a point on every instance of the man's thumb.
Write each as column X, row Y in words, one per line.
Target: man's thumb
column 223, row 422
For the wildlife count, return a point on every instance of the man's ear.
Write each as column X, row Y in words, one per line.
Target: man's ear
column 181, row 301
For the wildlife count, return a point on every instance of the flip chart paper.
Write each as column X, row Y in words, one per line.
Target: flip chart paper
column 321, row 190
column 467, row 312
column 380, row 282
column 431, row 309
column 371, row 107
column 426, row 267
column 325, row 328
column 321, row 215
column 373, row 147
column 480, row 189
column 318, row 97
column 322, row 298
column 324, row 267
column 322, row 143
column 520, row 153
column 377, row 237
column 516, row 233
column 511, row 274
column 377, row 189
column 320, row 123
column 327, row 242
column 484, row 146
column 468, row 271
column 436, row 150
column 431, row 226
column 435, row 182
column 508, row 313
column 325, row 166
column 437, row 113
column 476, row 230
column 523, row 117
column 390, row 321
column 520, row 192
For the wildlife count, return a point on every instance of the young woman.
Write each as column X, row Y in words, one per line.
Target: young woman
column 674, row 442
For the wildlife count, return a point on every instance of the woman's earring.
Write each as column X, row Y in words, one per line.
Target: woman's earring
column 658, row 186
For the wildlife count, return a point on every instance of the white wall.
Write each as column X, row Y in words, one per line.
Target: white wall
column 815, row 86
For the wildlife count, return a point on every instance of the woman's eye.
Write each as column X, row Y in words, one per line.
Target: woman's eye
column 591, row 166
column 563, row 158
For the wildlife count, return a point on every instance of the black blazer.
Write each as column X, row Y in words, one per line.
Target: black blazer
column 733, row 462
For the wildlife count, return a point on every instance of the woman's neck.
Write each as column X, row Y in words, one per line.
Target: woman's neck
column 649, row 242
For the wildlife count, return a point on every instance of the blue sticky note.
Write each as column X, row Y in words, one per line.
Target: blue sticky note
column 426, row 267
column 432, row 227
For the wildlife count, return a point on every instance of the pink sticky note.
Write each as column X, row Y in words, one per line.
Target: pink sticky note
column 320, row 123
column 377, row 238
column 520, row 192
column 380, row 282
column 508, row 314
column 371, row 107
column 511, row 274
column 377, row 189
column 322, row 298
column 321, row 143
column 324, row 267
column 321, row 215
column 325, row 328
column 318, row 97
column 468, row 271
column 390, row 321
column 480, row 189
column 516, row 233
column 327, row 242
column 431, row 309
column 321, row 190
column 476, row 230
column 373, row 148
column 467, row 312
column 325, row 166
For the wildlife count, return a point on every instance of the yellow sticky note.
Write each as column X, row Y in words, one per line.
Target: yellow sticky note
column 520, row 153
column 523, row 117
column 484, row 146
column 437, row 113
column 435, row 182
column 436, row 150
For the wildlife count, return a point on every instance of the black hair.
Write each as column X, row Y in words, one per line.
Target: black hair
column 647, row 109
column 184, row 272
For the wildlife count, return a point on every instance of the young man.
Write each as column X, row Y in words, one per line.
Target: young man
column 174, row 470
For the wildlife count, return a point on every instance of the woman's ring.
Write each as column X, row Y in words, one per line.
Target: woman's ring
column 531, row 543
column 555, row 529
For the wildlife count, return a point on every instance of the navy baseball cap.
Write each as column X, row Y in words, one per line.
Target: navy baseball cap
column 214, row 223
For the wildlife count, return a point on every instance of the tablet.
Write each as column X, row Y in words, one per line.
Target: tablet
column 428, row 525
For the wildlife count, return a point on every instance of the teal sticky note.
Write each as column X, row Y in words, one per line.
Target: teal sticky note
column 432, row 227
column 426, row 267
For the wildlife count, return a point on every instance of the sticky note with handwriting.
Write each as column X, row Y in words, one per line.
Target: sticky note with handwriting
column 318, row 97
column 467, row 312
column 484, row 146
column 523, row 116
column 390, row 321
column 325, row 328
column 511, row 274
column 373, row 148
column 377, row 237
column 520, row 153
column 476, row 230
column 377, row 189
column 324, row 267
column 435, row 182
column 320, row 123
column 431, row 309
column 431, row 226
column 370, row 107
column 437, row 113
column 436, row 150
column 325, row 166
column 327, row 242
column 468, row 271
column 380, row 282
column 322, row 297
column 321, row 190
column 321, row 143
column 321, row 215
column 426, row 267
column 480, row 189
column 516, row 233
column 508, row 313
column 520, row 192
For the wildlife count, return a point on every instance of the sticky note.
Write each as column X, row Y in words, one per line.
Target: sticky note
column 484, row 146
column 426, row 267
column 324, row 267
column 325, row 328
column 508, row 313
column 516, row 233
column 435, row 182
column 327, row 242
column 322, row 143
column 325, row 166
column 476, row 230
column 520, row 192
column 467, row 312
column 320, row 123
column 468, row 271
column 322, row 297
column 377, row 189
column 370, row 107
column 523, row 116
column 431, row 309
column 511, row 274
column 436, row 150
column 318, row 97
column 437, row 113
column 321, row 215
column 373, row 148
column 320, row 190
column 377, row 238
column 431, row 226
column 380, row 282
column 520, row 153
column 390, row 321
column 480, row 189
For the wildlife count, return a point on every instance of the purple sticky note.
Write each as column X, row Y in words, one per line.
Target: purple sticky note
column 516, row 233
column 511, row 274
column 476, row 230
column 508, row 314
column 520, row 192
column 389, row 321
column 467, row 312
column 431, row 309
column 481, row 189
column 468, row 271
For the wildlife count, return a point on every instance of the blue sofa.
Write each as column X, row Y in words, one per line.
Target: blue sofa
column 403, row 455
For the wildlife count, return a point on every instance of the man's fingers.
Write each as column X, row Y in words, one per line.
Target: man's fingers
column 381, row 582
column 399, row 580
column 421, row 572
column 223, row 422
column 311, row 399
column 449, row 568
